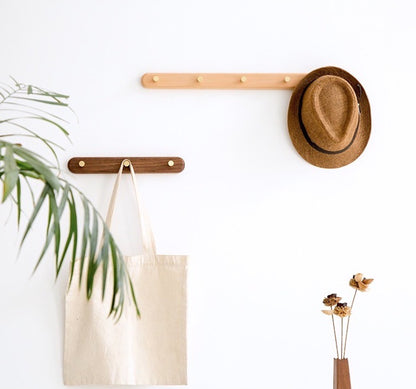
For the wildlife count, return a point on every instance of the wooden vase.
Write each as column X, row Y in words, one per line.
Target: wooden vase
column 341, row 374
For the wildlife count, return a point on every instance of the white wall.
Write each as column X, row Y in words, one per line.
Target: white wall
column 269, row 234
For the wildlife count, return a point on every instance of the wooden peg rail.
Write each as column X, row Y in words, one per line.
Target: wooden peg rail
column 100, row 165
column 221, row 80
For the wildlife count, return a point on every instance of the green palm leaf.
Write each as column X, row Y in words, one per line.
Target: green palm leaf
column 10, row 170
column 86, row 231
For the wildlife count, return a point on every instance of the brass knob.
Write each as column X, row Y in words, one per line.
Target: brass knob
column 155, row 78
column 243, row 79
column 81, row 163
column 287, row 79
column 200, row 78
column 126, row 163
column 171, row 163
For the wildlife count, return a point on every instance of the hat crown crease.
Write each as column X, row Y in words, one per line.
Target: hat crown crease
column 330, row 112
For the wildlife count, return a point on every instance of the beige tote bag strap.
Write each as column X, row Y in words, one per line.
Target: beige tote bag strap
column 148, row 239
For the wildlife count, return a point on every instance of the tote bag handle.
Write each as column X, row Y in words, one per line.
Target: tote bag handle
column 148, row 239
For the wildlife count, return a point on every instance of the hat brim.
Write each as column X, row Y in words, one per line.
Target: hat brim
column 303, row 147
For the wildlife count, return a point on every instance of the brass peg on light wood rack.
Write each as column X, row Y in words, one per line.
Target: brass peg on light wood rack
column 98, row 165
column 221, row 80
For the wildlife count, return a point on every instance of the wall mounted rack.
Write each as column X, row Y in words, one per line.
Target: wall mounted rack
column 221, row 80
column 104, row 165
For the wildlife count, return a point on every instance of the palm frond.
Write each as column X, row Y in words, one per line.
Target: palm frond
column 19, row 108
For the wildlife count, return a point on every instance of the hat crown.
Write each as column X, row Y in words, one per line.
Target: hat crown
column 330, row 112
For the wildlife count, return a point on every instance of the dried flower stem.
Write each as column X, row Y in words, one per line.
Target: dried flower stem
column 348, row 324
column 335, row 334
column 342, row 332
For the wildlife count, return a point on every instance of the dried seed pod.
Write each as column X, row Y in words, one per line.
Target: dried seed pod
column 342, row 310
column 358, row 281
column 331, row 300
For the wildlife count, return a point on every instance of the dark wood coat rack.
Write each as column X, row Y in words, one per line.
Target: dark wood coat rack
column 107, row 165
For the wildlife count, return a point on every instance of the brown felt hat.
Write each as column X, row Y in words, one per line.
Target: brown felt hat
column 329, row 118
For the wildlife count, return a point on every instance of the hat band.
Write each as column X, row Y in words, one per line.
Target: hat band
column 313, row 144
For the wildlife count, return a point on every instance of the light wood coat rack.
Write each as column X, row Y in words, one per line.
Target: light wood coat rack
column 104, row 165
column 221, row 80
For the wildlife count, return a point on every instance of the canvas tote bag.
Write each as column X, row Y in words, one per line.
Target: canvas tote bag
column 132, row 351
